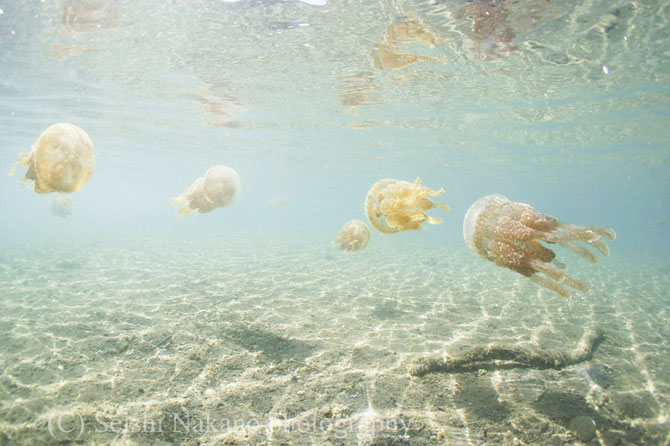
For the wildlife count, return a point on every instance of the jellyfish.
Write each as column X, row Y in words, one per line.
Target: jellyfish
column 395, row 206
column 81, row 16
column 510, row 234
column 495, row 24
column 388, row 56
column 412, row 31
column 220, row 187
column 354, row 236
column 61, row 205
column 61, row 160
column 279, row 201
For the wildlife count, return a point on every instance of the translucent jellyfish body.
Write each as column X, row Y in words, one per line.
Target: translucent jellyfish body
column 61, row 160
column 220, row 187
column 510, row 234
column 395, row 206
column 61, row 205
column 354, row 236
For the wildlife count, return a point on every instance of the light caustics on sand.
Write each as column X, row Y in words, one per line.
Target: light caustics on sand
column 61, row 160
column 354, row 236
column 509, row 234
column 395, row 206
column 219, row 187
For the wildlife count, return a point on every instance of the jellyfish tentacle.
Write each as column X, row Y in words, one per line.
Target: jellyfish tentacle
column 177, row 201
column 601, row 231
column 570, row 236
column 608, row 233
column 22, row 159
column 580, row 251
column 433, row 220
column 558, row 264
column 601, row 246
column 576, row 284
column 535, row 249
column 186, row 210
column 550, row 285
column 428, row 192
column 559, row 276
column 381, row 227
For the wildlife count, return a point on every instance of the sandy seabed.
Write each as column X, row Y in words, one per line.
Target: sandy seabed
column 233, row 343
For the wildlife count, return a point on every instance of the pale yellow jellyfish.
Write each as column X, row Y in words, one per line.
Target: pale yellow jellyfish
column 509, row 234
column 61, row 160
column 220, row 187
column 354, row 236
column 395, row 206
column 61, row 205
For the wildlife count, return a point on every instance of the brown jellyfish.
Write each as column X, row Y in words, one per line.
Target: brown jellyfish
column 354, row 236
column 509, row 234
column 61, row 160
column 395, row 206
column 220, row 187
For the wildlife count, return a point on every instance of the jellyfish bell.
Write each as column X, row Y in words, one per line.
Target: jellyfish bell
column 395, row 206
column 354, row 236
column 512, row 234
column 222, row 185
column 61, row 205
column 219, row 187
column 61, row 160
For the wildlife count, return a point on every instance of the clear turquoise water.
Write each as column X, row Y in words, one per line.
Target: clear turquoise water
column 574, row 121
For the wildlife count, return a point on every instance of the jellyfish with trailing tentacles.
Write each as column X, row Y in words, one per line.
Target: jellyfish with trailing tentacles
column 354, row 236
column 220, row 187
column 509, row 234
column 61, row 160
column 395, row 206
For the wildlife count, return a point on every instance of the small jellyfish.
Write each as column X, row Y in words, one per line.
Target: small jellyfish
column 61, row 205
column 279, row 201
column 510, row 234
column 395, row 206
column 220, row 187
column 354, row 236
column 61, row 160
